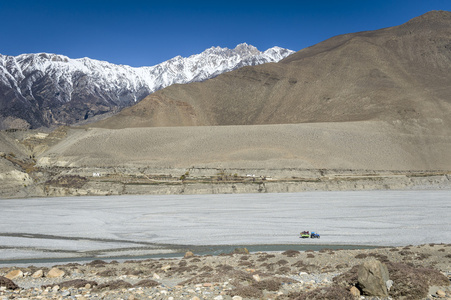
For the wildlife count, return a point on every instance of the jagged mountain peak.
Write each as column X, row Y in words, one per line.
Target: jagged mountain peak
column 45, row 89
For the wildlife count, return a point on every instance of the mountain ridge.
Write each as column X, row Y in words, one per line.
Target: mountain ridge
column 46, row 89
column 399, row 73
column 360, row 111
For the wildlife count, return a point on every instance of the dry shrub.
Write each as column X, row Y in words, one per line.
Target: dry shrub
column 200, row 278
column 246, row 264
column 244, row 257
column 284, row 270
column 107, row 273
column 246, row 292
column 134, row 272
column 131, row 261
column 77, row 283
column 224, row 268
column 328, row 293
column 291, row 253
column 298, row 264
column 380, row 257
column 220, row 276
column 8, row 283
column 206, row 269
column 195, row 260
column 96, row 263
column 422, row 256
column 272, row 284
column 324, row 250
column 67, row 265
column 441, row 250
column 361, row 256
column 412, row 282
column 270, row 267
column 310, row 255
column 289, row 296
column 182, row 270
column 282, row 262
column 265, row 257
column 342, row 266
column 147, row 283
column 226, row 254
column 239, row 276
column 182, row 263
column 303, row 267
column 114, row 285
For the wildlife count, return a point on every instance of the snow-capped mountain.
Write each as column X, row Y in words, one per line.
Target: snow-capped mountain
column 48, row 89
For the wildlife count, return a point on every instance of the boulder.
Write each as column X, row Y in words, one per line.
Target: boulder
column 355, row 292
column 189, row 254
column 7, row 283
column 166, row 268
column 441, row 294
column 372, row 278
column 38, row 274
column 14, row 274
column 240, row 251
column 55, row 273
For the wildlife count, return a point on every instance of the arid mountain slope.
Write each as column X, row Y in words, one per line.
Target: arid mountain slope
column 367, row 145
column 48, row 90
column 400, row 73
column 368, row 110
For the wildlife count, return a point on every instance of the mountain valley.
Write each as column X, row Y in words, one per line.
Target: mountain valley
column 366, row 110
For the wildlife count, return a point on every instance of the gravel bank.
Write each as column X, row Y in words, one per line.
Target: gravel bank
column 239, row 275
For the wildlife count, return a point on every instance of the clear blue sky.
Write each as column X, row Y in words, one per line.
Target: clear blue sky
column 145, row 33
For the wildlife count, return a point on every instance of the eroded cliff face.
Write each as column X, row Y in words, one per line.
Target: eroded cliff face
column 34, row 165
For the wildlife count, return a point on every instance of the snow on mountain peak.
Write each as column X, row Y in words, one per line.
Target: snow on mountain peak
column 44, row 79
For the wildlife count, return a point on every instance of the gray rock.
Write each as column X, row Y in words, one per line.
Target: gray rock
column 372, row 278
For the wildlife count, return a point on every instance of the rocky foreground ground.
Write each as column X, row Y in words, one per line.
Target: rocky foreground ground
column 414, row 272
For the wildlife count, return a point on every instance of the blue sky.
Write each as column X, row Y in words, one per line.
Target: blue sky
column 145, row 33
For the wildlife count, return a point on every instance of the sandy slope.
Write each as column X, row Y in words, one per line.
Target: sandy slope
column 369, row 145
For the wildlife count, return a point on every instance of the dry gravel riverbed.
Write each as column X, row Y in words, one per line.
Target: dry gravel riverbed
column 274, row 275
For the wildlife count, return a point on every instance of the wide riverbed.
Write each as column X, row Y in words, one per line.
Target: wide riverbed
column 141, row 225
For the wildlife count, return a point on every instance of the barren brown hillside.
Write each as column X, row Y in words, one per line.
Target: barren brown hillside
column 394, row 74
column 368, row 110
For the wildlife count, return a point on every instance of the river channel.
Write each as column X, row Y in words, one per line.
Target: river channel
column 76, row 228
